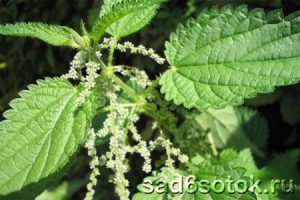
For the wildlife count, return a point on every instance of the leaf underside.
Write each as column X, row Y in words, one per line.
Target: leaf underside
column 229, row 54
column 52, row 34
column 40, row 134
column 123, row 17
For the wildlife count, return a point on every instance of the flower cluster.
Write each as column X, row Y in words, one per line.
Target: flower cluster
column 109, row 42
column 119, row 125
column 94, row 164
column 171, row 151
column 89, row 81
column 135, row 75
column 77, row 64
column 118, row 122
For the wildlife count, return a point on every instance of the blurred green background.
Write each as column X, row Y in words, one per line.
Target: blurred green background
column 23, row 61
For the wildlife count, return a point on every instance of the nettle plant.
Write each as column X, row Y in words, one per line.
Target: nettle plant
column 216, row 61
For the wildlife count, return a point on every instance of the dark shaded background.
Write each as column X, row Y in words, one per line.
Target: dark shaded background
column 28, row 60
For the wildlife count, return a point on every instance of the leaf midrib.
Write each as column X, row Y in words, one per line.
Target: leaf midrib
column 240, row 71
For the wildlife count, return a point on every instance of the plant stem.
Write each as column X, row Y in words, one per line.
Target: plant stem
column 170, row 161
column 212, row 143
column 111, row 52
column 148, row 108
column 125, row 87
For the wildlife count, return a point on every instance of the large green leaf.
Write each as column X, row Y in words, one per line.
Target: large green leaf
column 41, row 132
column 52, row 34
column 231, row 54
column 122, row 17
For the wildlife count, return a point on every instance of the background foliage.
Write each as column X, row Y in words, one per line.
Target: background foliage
column 23, row 61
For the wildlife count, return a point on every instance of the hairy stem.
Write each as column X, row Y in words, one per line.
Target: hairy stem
column 125, row 87
column 111, row 52
column 170, row 161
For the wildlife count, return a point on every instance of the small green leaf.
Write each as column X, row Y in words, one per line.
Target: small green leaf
column 52, row 34
column 41, row 132
column 230, row 54
column 123, row 17
column 129, row 23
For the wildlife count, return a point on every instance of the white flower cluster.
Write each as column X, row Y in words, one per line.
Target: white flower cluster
column 94, row 164
column 89, row 81
column 108, row 42
column 168, row 145
column 114, row 125
column 77, row 63
column 121, row 118
column 135, row 75
column 118, row 124
column 142, row 147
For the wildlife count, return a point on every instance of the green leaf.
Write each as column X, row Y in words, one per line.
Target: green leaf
column 123, row 17
column 52, row 34
column 231, row 54
column 237, row 128
column 131, row 22
column 41, row 133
